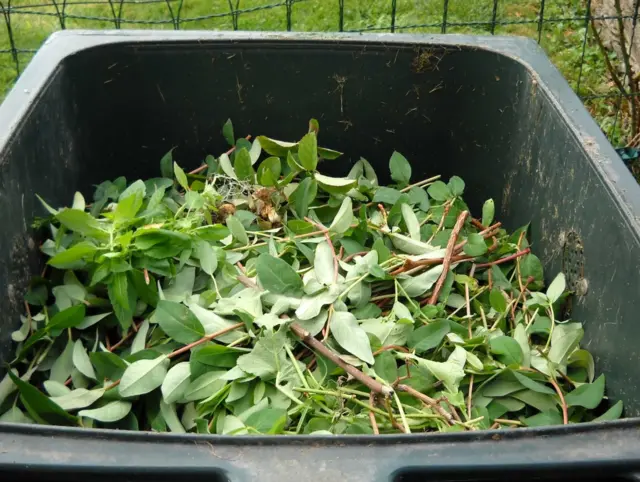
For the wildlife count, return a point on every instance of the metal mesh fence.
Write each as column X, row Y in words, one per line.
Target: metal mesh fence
column 592, row 42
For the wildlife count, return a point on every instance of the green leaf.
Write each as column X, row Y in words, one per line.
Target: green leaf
column 143, row 376
column 67, row 258
column 277, row 276
column 225, row 165
column 614, row 413
column 564, row 340
column 274, row 147
column 268, row 420
column 171, row 417
column 15, row 415
column 520, row 335
column 308, row 151
column 334, row 185
column 488, row 212
column 343, row 219
column 62, row 367
column 107, row 365
column 530, row 266
column 78, row 398
column 69, row 318
column 243, row 166
column 411, row 221
column 227, row 132
column 439, row 191
column 237, row 230
column 419, row 197
column 556, row 288
column 428, row 337
column 400, row 168
column 540, row 401
column 543, row 419
column 81, row 360
column 456, row 186
column 411, row 246
column 420, row 284
column 181, row 177
column 111, row 412
column 82, row 223
column 583, row 359
column 177, row 321
column 123, row 298
column 140, row 340
column 350, row 336
column 176, row 382
column 533, row 385
column 269, row 171
column 475, row 245
column 450, row 372
column 499, row 279
column 383, row 252
column 39, row 406
column 212, row 233
column 166, row 165
column 324, row 264
column 207, row 257
column 267, row 357
column 507, row 349
column 128, row 207
column 498, row 300
column 386, row 195
column 49, row 209
column 303, row 196
column 587, row 395
column 204, row 386
column 386, row 367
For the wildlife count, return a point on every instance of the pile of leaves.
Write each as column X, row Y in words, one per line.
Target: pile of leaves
column 279, row 300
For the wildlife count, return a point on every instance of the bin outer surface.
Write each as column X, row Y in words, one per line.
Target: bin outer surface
column 96, row 105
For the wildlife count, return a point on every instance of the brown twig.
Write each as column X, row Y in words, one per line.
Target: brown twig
column 468, row 303
column 204, row 339
column 505, row 260
column 147, row 280
column 427, row 401
column 123, row 339
column 391, row 347
column 198, row 170
column 372, row 416
column 351, row 256
column 469, row 398
column 447, row 256
column 487, row 233
column 565, row 415
column 478, row 224
column 319, row 347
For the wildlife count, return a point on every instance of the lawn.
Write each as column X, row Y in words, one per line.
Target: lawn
column 31, row 21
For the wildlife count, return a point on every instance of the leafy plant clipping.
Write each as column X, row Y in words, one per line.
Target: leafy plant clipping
column 256, row 295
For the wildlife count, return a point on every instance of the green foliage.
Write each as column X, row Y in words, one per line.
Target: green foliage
column 188, row 303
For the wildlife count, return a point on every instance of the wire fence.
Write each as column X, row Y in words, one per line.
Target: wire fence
column 592, row 42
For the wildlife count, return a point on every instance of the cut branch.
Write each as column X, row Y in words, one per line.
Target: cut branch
column 505, row 260
column 431, row 402
column 447, row 256
column 319, row 347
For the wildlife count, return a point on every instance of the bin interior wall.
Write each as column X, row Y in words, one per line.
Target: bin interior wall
column 115, row 110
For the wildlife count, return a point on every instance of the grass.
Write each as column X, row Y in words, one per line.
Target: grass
column 33, row 20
